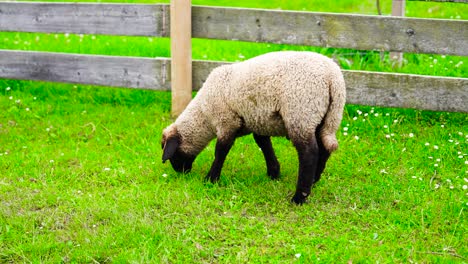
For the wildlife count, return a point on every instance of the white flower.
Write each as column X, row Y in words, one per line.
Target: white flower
column 427, row 144
column 107, row 169
column 466, row 162
column 355, row 118
column 345, row 128
column 465, row 187
column 298, row 255
column 387, row 136
column 385, row 126
column 164, row 175
column 356, row 137
column 436, row 147
column 8, row 88
column 411, row 135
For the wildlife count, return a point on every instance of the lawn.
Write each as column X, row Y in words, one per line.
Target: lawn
column 81, row 178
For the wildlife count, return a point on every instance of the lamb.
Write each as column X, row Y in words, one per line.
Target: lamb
column 299, row 95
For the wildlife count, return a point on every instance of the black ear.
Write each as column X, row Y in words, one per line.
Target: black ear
column 170, row 148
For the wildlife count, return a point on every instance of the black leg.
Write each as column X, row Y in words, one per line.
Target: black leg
column 322, row 158
column 273, row 166
column 308, row 160
column 222, row 149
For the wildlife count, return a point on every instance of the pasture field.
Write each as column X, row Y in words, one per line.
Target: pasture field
column 81, row 178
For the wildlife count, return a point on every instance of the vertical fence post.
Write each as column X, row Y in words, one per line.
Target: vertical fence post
column 398, row 9
column 181, row 55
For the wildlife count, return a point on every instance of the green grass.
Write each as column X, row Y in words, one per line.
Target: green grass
column 81, row 178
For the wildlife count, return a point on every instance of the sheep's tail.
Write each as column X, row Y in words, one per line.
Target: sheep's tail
column 332, row 119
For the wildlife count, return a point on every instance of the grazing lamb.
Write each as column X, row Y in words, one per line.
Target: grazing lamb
column 300, row 95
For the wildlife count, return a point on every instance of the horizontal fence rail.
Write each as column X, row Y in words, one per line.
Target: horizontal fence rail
column 332, row 30
column 131, row 72
column 452, row 1
column 85, row 18
column 362, row 32
column 366, row 88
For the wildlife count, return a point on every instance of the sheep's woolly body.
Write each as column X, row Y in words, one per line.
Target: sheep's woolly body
column 276, row 94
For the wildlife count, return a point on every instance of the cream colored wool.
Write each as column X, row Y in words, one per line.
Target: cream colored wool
column 283, row 93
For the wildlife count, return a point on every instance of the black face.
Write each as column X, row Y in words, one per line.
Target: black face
column 181, row 162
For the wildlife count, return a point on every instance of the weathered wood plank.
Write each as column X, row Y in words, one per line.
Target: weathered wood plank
column 386, row 89
column 407, row 91
column 365, row 88
column 85, row 18
column 144, row 73
column 360, row 32
column 453, row 1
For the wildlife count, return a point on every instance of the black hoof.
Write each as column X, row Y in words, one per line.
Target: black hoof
column 211, row 178
column 274, row 172
column 299, row 198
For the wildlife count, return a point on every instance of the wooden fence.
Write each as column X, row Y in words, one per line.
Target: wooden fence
column 361, row 32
